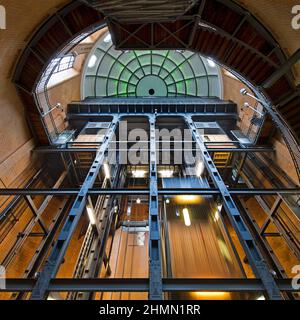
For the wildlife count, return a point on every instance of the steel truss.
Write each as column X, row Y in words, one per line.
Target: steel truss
column 27, row 232
column 252, row 252
column 55, row 259
column 155, row 284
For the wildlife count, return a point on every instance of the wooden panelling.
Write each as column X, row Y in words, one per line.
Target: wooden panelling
column 81, row 18
column 220, row 15
column 30, row 72
column 13, row 166
column 56, row 36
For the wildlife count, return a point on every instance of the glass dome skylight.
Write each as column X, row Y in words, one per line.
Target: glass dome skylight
column 148, row 73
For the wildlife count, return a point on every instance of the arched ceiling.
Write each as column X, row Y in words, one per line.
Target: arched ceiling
column 248, row 44
column 145, row 73
column 276, row 15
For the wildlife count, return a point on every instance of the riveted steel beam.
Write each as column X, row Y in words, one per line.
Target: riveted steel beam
column 56, row 257
column 155, row 265
column 252, row 252
column 283, row 70
column 165, row 192
column 142, row 285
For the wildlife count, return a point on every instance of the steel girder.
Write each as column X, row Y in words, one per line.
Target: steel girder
column 85, row 116
column 253, row 254
column 142, row 285
column 155, row 266
column 55, row 259
column 75, row 150
column 45, row 244
column 30, row 226
column 97, row 255
column 161, row 192
column 283, row 70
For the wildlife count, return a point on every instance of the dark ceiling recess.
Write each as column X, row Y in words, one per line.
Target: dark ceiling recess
column 143, row 10
column 219, row 29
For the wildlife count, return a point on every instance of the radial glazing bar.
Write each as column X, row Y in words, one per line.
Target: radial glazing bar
column 155, row 273
column 255, row 258
column 56, row 257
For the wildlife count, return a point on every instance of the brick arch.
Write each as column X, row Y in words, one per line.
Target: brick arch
column 219, row 29
column 67, row 26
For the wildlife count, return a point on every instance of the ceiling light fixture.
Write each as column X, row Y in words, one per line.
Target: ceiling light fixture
column 247, row 105
column 245, row 92
column 200, row 169
column 138, row 173
column 213, row 295
column 92, row 61
column 166, row 173
column 186, row 217
column 107, row 38
column 91, row 215
column 106, row 170
column 211, row 63
column 188, row 199
column 217, row 216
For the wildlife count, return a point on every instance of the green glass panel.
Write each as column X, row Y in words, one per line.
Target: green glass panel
column 137, row 73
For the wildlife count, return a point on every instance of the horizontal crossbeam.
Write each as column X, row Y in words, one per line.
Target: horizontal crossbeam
column 78, row 116
column 76, row 150
column 169, row 192
column 142, row 285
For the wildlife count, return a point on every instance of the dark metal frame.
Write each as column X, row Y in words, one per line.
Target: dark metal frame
column 56, row 257
column 294, row 149
column 252, row 252
column 142, row 285
column 156, row 284
column 75, row 38
column 155, row 264
column 161, row 192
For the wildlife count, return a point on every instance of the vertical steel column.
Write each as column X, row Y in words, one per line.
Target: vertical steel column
column 55, row 259
column 255, row 258
column 155, row 272
column 240, row 168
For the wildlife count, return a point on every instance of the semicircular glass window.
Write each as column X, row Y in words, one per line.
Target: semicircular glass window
column 148, row 73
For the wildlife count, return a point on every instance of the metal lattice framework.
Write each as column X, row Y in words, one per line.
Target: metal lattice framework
column 155, row 284
column 143, row 10
column 164, row 73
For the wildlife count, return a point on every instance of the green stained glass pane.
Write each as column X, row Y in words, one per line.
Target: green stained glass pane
column 110, row 72
column 181, row 86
